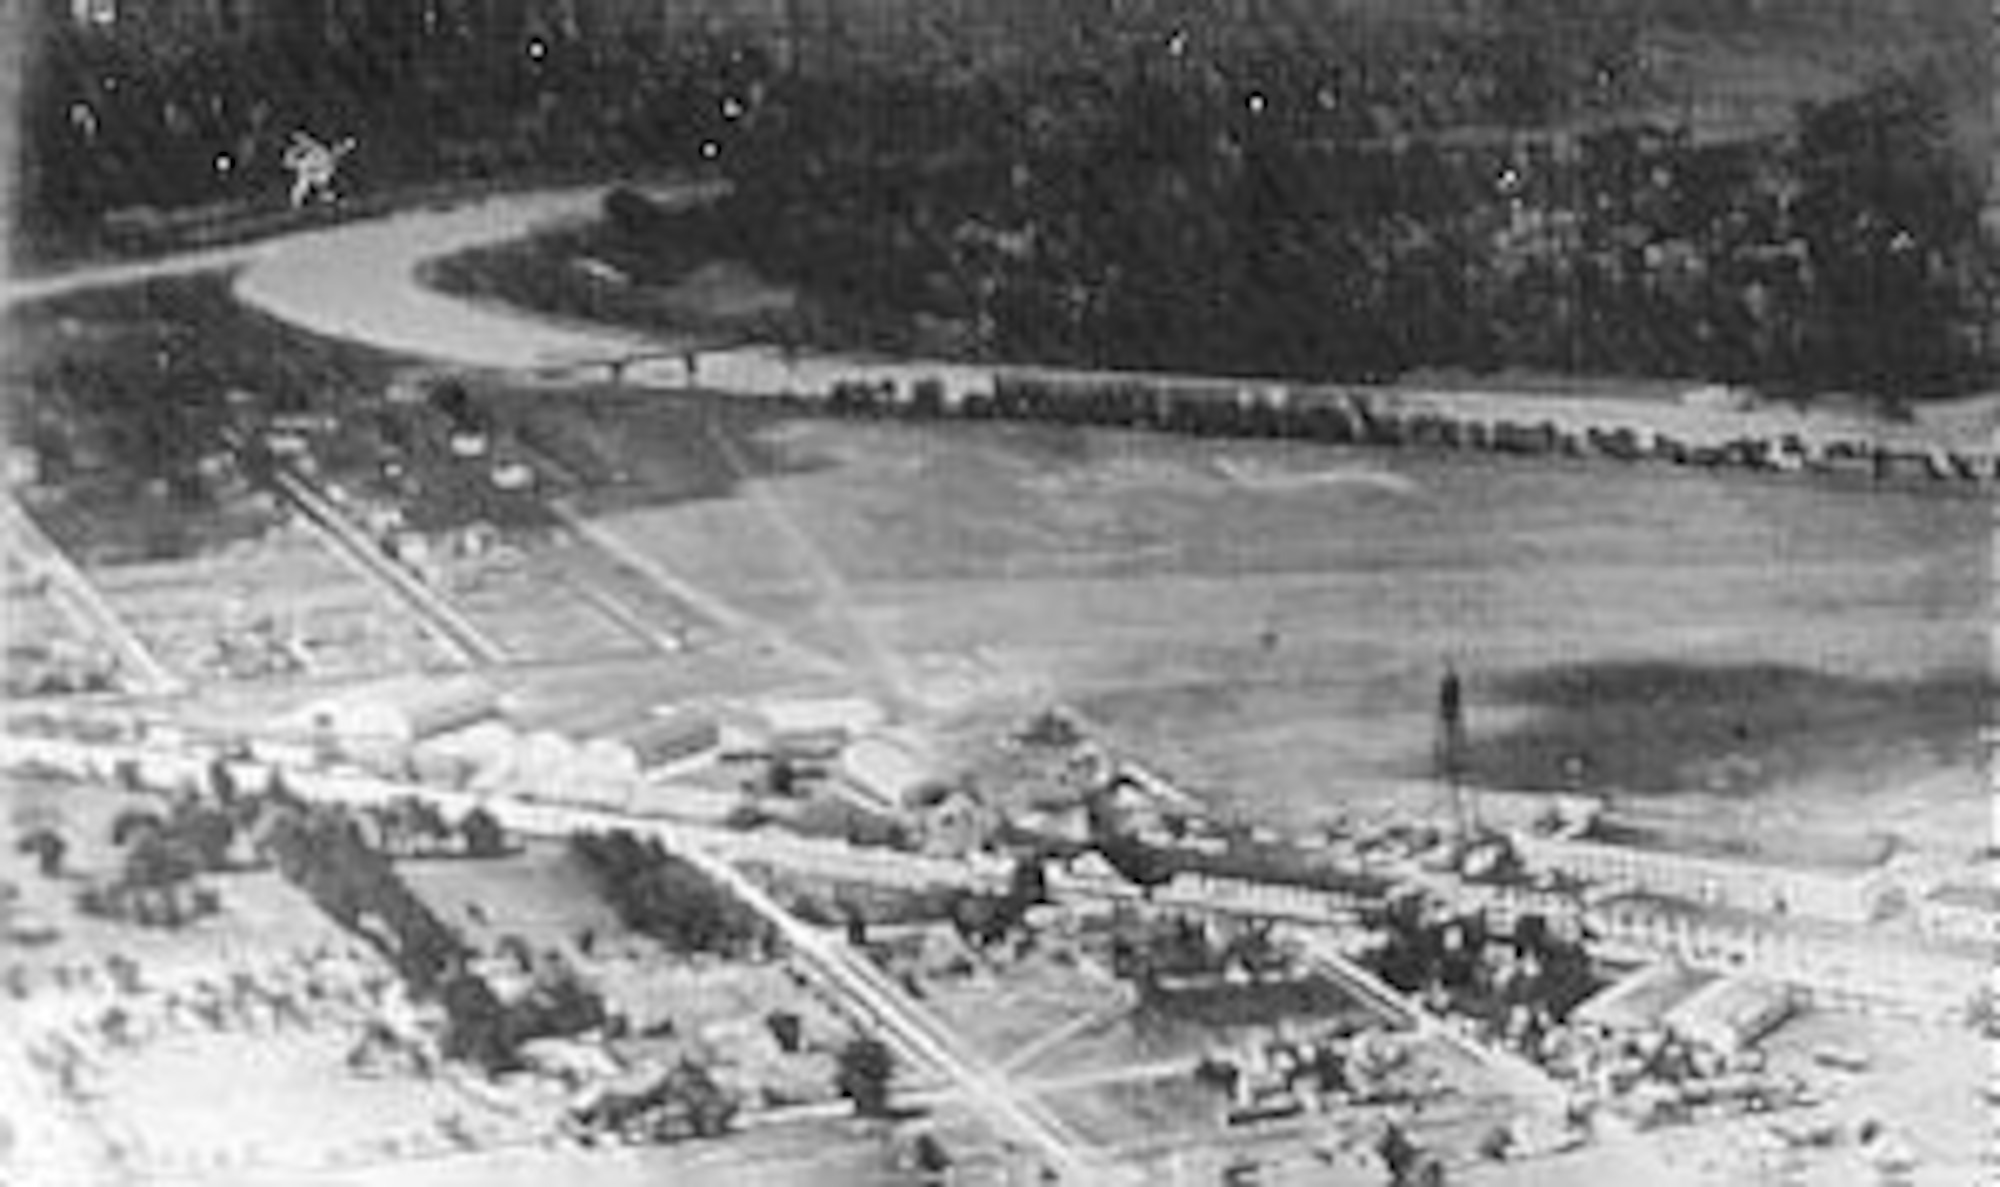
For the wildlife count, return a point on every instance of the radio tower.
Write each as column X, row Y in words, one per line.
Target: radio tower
column 1450, row 752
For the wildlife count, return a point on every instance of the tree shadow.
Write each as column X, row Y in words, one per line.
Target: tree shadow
column 1657, row 727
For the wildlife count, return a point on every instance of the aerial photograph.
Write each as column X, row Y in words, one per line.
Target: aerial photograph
column 999, row 593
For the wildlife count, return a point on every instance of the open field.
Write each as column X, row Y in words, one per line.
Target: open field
column 283, row 603
column 1269, row 621
column 1266, row 620
column 1004, row 1013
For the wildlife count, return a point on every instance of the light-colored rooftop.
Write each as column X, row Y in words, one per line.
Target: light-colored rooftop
column 1975, row 896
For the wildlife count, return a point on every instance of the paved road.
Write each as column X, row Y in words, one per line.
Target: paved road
column 463, row 637
column 1012, row 1105
column 76, row 593
column 361, row 282
column 20, row 290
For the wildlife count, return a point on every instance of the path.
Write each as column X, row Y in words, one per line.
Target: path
column 81, row 599
column 21, row 290
column 362, row 282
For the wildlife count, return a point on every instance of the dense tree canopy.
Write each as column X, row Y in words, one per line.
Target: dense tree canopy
column 1150, row 222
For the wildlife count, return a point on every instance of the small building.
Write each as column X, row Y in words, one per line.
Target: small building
column 667, row 739
column 1732, row 1013
column 1965, row 912
column 1090, row 872
column 1066, row 824
column 886, row 769
column 954, row 820
column 1641, row 1001
column 546, row 766
column 401, row 714
column 485, row 754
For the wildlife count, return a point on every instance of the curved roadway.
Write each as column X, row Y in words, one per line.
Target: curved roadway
column 362, row 282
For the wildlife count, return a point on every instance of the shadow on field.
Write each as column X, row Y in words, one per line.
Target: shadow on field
column 633, row 450
column 1659, row 727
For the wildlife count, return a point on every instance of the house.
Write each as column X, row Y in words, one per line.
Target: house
column 954, row 820
column 886, row 769
column 1067, row 824
column 1090, row 872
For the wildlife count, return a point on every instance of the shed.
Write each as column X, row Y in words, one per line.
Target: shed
column 885, row 768
column 1732, row 1013
column 663, row 739
column 1642, row 1000
column 487, row 752
column 606, row 760
column 1967, row 911
column 547, row 764
column 403, row 713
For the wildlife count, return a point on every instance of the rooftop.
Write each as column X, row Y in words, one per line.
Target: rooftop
column 1869, row 939
column 1976, row 896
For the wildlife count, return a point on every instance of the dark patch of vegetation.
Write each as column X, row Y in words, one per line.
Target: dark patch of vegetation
column 662, row 896
column 642, row 448
column 683, row 1102
column 1666, row 727
column 1546, row 976
column 325, row 853
column 140, row 126
column 864, row 1070
column 124, row 394
column 1249, row 1005
column 1153, row 221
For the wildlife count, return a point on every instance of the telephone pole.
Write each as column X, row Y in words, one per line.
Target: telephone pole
column 1450, row 751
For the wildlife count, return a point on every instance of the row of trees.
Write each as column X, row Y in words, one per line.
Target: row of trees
column 661, row 895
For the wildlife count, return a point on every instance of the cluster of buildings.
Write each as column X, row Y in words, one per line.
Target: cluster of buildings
column 1872, row 934
column 1866, row 969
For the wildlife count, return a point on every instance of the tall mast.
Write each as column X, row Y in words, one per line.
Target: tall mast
column 1450, row 750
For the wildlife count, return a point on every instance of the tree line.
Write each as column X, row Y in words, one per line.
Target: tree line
column 1142, row 223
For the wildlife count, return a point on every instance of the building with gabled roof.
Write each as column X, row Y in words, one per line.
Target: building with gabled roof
column 1834, row 965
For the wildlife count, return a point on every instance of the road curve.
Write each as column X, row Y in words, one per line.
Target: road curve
column 361, row 282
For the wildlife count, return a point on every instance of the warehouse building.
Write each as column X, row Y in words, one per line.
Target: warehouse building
column 1849, row 891
column 1961, row 912
column 1833, row 965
